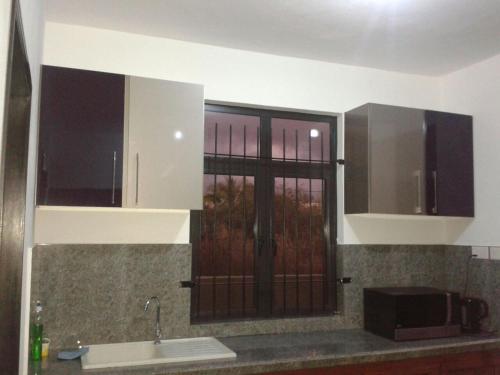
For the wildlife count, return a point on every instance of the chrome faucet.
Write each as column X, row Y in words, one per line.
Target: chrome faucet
column 158, row 328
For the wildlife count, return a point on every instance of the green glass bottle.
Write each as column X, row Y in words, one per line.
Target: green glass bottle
column 37, row 333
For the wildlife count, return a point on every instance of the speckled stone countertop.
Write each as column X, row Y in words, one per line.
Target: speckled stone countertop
column 282, row 352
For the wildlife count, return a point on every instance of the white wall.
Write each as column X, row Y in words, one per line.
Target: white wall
column 235, row 75
column 476, row 90
column 244, row 77
column 33, row 24
column 85, row 225
column 32, row 13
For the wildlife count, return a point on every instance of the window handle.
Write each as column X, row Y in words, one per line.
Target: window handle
column 260, row 246
column 262, row 243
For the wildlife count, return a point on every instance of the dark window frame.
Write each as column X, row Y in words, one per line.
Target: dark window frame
column 265, row 169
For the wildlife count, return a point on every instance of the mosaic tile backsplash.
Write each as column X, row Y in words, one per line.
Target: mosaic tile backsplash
column 96, row 293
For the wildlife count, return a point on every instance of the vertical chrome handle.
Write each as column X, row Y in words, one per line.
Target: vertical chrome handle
column 418, row 178
column 434, row 182
column 45, row 181
column 44, row 162
column 137, row 179
column 113, row 188
column 448, row 309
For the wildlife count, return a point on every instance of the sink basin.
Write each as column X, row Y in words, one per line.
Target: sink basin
column 147, row 353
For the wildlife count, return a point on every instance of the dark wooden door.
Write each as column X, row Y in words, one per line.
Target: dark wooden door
column 474, row 363
column 80, row 154
column 470, row 371
column 449, row 164
column 409, row 367
column 13, row 160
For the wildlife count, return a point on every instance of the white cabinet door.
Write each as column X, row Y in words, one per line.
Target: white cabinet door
column 164, row 157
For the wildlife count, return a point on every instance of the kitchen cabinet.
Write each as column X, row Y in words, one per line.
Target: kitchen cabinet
column 109, row 140
column 450, row 171
column 164, row 146
column 479, row 363
column 473, row 363
column 408, row 161
column 80, row 138
column 402, row 368
column 473, row 371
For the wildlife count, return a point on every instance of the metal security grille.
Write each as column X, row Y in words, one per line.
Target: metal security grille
column 264, row 243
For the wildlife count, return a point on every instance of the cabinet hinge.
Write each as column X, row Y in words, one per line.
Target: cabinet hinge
column 344, row 280
column 188, row 284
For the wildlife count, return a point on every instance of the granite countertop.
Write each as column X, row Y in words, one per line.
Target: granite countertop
column 281, row 352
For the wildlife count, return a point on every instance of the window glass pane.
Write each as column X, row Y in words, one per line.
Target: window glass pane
column 303, row 140
column 299, row 280
column 226, row 257
column 237, row 135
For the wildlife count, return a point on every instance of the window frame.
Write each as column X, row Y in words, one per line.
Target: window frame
column 265, row 169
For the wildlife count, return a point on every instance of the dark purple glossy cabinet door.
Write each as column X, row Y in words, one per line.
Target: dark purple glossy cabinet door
column 449, row 164
column 80, row 154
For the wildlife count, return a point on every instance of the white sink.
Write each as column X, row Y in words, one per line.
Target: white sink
column 147, row 353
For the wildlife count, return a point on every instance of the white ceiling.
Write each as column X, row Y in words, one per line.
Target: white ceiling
column 416, row 36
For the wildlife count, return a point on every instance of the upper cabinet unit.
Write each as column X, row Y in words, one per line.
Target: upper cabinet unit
column 408, row 161
column 96, row 128
column 80, row 149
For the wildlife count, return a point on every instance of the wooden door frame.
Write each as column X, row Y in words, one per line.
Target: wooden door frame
column 13, row 172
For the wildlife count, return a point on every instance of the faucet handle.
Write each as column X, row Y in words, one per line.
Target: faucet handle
column 146, row 305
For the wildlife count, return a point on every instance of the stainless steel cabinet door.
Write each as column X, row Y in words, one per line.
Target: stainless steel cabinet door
column 397, row 160
column 165, row 144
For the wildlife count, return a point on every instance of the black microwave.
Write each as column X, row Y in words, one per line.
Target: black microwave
column 411, row 313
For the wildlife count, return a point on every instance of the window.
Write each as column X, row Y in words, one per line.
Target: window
column 264, row 243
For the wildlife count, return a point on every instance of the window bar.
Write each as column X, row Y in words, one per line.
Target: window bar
column 198, row 273
column 283, row 248
column 214, row 276
column 323, row 206
column 310, row 231
column 256, row 286
column 297, row 221
column 230, row 222
column 258, row 143
column 243, row 284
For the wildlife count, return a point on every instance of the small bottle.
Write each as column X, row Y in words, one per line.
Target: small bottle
column 37, row 333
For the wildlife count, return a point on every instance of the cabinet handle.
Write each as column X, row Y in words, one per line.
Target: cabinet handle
column 137, row 179
column 44, row 162
column 434, row 183
column 448, row 309
column 418, row 179
column 113, row 188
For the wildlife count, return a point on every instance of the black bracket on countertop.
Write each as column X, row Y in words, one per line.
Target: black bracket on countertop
column 344, row 280
column 340, row 161
column 188, row 284
column 192, row 284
